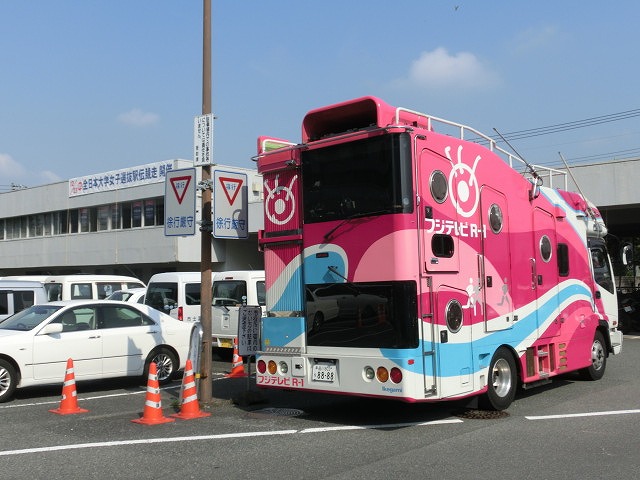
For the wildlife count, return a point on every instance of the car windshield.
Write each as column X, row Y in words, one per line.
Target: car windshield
column 29, row 318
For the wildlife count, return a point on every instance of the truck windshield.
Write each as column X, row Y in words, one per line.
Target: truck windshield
column 354, row 179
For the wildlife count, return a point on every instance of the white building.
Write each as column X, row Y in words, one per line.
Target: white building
column 114, row 222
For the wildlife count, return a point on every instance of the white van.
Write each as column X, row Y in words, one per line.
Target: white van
column 86, row 286
column 231, row 290
column 176, row 294
column 16, row 295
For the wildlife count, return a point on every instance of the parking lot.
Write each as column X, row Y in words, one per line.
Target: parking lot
column 575, row 428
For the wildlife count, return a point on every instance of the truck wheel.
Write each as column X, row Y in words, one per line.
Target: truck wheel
column 502, row 381
column 595, row 371
column 8, row 380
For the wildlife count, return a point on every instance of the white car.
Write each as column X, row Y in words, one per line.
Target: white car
column 319, row 309
column 132, row 295
column 104, row 338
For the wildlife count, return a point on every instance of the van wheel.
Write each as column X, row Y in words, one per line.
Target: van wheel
column 595, row 371
column 8, row 380
column 502, row 381
column 166, row 363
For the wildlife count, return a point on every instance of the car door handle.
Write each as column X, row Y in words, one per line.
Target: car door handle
column 152, row 332
column 94, row 336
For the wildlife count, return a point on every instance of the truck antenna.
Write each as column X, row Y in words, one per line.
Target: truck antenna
column 589, row 210
column 537, row 179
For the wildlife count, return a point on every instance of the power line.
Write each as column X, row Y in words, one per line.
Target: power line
column 631, row 153
column 573, row 125
column 562, row 127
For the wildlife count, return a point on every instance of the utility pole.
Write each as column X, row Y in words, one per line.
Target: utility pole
column 206, row 382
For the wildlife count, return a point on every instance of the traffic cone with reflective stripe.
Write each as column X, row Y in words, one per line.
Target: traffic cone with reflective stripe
column 190, row 407
column 152, row 414
column 69, row 402
column 237, row 364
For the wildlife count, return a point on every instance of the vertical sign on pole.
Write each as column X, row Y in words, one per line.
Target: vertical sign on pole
column 180, row 202
column 230, row 205
column 203, row 140
column 248, row 329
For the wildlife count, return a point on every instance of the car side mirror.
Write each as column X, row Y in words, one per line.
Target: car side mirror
column 51, row 328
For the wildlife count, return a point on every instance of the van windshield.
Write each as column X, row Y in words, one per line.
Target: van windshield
column 162, row 296
column 54, row 291
column 229, row 293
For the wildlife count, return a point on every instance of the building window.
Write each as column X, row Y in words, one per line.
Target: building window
column 136, row 214
column 39, row 225
column 84, row 219
column 31, row 220
column 160, row 211
column 126, row 215
column 116, row 216
column 60, row 225
column 149, row 213
column 47, row 223
column 103, row 218
column 9, row 228
column 73, row 221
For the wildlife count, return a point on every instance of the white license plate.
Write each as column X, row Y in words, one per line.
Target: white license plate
column 323, row 372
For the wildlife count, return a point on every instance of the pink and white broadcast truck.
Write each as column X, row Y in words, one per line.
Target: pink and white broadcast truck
column 410, row 257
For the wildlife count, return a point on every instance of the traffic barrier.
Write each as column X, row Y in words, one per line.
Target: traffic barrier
column 190, row 407
column 237, row 364
column 152, row 414
column 69, row 402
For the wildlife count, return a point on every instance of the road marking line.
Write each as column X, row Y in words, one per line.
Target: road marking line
column 222, row 436
column 374, row 427
column 97, row 397
column 118, row 443
column 576, row 415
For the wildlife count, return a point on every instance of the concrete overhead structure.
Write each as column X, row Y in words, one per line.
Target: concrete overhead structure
column 614, row 188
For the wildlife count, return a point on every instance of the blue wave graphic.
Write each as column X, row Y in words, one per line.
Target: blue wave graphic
column 453, row 358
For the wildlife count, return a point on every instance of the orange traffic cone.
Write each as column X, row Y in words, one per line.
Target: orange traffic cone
column 237, row 364
column 190, row 407
column 152, row 414
column 69, row 402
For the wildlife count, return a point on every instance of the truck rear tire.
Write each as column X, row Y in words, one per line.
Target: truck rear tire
column 502, row 381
